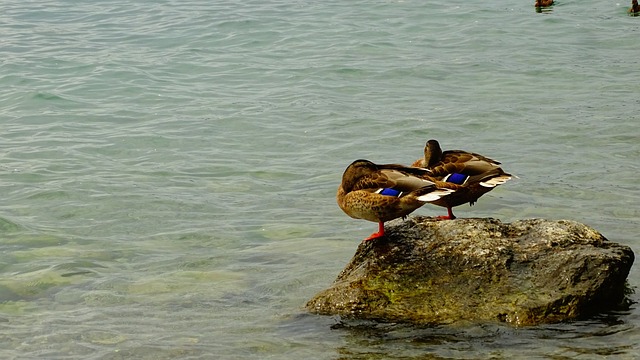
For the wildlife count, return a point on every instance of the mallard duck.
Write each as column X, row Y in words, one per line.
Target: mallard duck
column 442, row 163
column 380, row 193
column 635, row 8
column 543, row 3
column 471, row 175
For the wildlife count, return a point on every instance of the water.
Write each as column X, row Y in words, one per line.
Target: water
column 168, row 169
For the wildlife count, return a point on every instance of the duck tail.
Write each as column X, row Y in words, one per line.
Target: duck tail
column 495, row 181
column 434, row 194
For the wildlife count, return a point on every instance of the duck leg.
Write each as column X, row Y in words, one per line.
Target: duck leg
column 380, row 232
column 449, row 215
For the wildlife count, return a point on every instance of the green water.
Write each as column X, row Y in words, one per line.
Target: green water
column 168, row 169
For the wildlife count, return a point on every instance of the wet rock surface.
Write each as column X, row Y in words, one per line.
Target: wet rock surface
column 527, row 272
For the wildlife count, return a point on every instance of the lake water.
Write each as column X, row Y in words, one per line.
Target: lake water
column 168, row 168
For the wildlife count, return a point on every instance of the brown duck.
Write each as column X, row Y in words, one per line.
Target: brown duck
column 634, row 10
column 380, row 193
column 471, row 175
column 543, row 3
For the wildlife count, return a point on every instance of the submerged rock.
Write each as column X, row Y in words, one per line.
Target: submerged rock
column 435, row 272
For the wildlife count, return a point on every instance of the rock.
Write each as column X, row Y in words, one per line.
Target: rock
column 436, row 272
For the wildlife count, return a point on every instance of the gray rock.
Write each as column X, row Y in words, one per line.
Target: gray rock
column 436, row 272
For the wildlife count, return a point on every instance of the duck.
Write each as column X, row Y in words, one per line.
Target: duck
column 543, row 3
column 441, row 163
column 634, row 10
column 471, row 175
column 383, row 192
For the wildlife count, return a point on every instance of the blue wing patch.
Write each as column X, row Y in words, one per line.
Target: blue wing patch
column 389, row 192
column 457, row 178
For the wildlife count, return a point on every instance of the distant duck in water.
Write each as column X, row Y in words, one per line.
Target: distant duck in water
column 380, row 193
column 635, row 8
column 543, row 3
column 471, row 175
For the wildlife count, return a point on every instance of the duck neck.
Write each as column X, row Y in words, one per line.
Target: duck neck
column 432, row 153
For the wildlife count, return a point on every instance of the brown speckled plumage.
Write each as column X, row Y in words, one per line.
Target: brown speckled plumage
column 359, row 194
column 483, row 173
